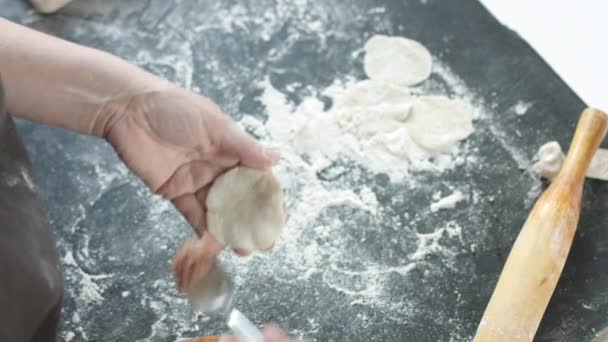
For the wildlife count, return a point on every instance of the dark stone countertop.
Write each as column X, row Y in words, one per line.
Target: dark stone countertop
column 357, row 282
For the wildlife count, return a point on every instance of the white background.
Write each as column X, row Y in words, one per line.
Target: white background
column 572, row 36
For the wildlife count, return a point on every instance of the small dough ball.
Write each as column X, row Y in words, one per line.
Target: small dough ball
column 438, row 123
column 245, row 209
column 550, row 160
column 396, row 60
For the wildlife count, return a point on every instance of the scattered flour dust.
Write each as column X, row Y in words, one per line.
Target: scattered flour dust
column 427, row 244
column 23, row 178
column 369, row 123
column 447, row 202
column 69, row 336
column 379, row 125
column 521, row 107
column 90, row 290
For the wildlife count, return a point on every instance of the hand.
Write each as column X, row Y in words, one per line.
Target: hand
column 271, row 334
column 178, row 143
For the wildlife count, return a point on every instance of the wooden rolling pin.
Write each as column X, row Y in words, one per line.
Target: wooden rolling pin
column 537, row 258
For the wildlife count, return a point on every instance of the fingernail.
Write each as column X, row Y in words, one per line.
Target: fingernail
column 271, row 154
column 242, row 252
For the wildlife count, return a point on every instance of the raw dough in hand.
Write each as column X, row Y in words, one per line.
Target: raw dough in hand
column 245, row 209
column 438, row 123
column 396, row 60
column 49, row 6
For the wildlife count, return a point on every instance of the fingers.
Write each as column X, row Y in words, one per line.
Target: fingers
column 194, row 260
column 201, row 195
column 269, row 248
column 192, row 206
column 193, row 211
column 242, row 252
column 180, row 262
column 273, row 334
column 248, row 150
column 189, row 178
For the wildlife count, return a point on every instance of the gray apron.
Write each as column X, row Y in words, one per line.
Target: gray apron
column 31, row 282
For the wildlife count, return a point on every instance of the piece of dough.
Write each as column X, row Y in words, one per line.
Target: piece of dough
column 550, row 160
column 49, row 6
column 396, row 60
column 598, row 169
column 245, row 209
column 438, row 123
column 369, row 108
column 447, row 202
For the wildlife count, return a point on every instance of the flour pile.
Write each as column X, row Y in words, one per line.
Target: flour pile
column 385, row 127
column 377, row 122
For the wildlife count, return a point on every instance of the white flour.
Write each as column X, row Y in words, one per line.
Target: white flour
column 427, row 244
column 367, row 124
column 447, row 202
column 12, row 180
column 521, row 107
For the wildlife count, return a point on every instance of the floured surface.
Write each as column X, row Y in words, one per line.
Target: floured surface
column 447, row 202
column 376, row 124
column 363, row 258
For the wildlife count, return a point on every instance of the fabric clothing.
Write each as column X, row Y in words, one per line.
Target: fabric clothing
column 31, row 281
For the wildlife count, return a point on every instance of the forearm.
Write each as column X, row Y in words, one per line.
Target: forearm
column 52, row 81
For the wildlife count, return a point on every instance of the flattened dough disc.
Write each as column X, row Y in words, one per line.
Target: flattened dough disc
column 245, row 209
column 438, row 123
column 396, row 60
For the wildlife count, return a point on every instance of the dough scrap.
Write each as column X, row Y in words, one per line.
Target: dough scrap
column 396, row 60
column 438, row 123
column 550, row 158
column 370, row 107
column 245, row 209
column 598, row 169
column 448, row 202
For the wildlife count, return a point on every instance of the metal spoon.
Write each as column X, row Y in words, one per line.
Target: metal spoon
column 214, row 294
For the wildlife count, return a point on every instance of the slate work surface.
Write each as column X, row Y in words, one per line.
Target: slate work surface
column 116, row 240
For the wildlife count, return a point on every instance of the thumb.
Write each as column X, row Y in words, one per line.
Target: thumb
column 249, row 152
